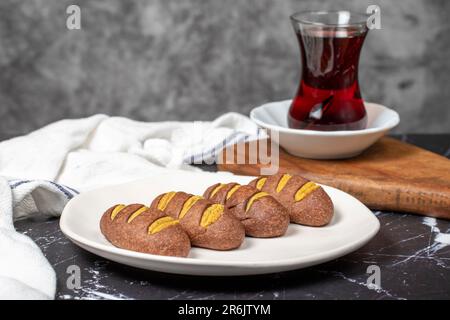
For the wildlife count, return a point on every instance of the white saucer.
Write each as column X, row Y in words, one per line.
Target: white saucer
column 353, row 225
column 325, row 144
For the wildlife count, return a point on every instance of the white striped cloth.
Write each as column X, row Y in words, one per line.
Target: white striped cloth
column 41, row 171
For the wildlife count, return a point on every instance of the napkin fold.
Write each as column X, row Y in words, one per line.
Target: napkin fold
column 43, row 170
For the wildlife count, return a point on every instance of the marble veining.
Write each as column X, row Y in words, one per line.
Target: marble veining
column 364, row 284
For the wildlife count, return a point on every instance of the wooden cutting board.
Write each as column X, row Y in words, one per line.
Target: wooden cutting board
column 391, row 175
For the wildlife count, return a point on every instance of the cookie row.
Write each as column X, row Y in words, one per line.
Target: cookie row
column 267, row 204
column 208, row 225
column 307, row 203
column 173, row 222
column 220, row 219
column 138, row 228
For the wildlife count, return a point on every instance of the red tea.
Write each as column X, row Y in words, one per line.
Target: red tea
column 328, row 97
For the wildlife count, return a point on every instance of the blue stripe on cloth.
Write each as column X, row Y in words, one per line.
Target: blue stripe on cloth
column 62, row 189
column 16, row 184
column 67, row 191
column 73, row 190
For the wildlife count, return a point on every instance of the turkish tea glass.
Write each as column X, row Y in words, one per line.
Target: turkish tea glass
column 328, row 97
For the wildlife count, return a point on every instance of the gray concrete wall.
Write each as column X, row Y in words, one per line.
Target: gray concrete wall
column 196, row 59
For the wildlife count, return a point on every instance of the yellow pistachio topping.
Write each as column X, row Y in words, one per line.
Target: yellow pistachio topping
column 165, row 199
column 233, row 190
column 161, row 224
column 216, row 189
column 116, row 210
column 211, row 215
column 306, row 189
column 188, row 205
column 253, row 198
column 283, row 181
column 136, row 213
column 261, row 182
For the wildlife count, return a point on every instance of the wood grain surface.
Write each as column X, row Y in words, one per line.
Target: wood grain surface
column 391, row 175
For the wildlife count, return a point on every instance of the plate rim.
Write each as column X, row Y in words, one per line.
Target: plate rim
column 394, row 121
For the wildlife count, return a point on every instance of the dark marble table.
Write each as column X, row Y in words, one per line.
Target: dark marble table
column 410, row 250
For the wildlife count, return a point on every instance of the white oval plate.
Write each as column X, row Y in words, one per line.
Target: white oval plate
column 353, row 225
column 325, row 144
